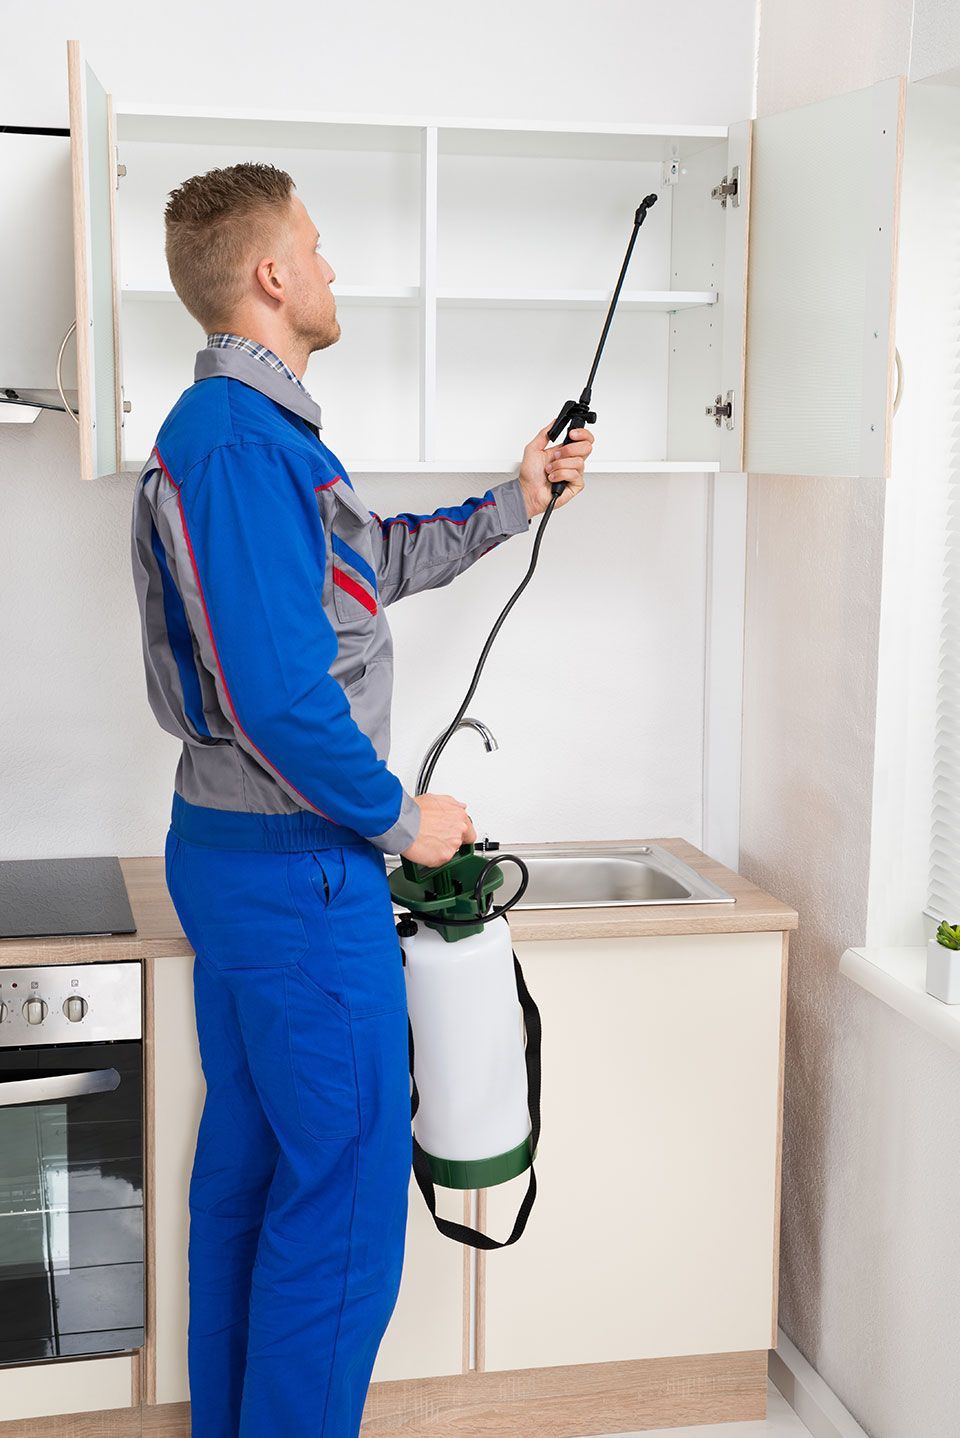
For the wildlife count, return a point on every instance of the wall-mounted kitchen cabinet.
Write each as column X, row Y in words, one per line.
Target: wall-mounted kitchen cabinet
column 474, row 264
column 36, row 247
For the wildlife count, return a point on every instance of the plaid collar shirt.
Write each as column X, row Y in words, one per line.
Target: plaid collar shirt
column 251, row 347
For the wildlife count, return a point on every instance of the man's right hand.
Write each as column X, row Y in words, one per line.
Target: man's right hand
column 444, row 826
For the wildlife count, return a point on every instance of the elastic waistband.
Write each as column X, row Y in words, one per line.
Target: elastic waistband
column 238, row 829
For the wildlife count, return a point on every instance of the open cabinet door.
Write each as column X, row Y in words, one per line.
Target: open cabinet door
column 709, row 206
column 94, row 171
column 822, row 276
column 737, row 230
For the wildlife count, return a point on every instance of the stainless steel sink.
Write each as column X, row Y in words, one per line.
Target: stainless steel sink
column 588, row 878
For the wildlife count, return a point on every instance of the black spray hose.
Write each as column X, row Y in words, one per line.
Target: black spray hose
column 451, row 728
column 491, row 914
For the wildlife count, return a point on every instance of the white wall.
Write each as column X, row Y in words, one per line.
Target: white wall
column 810, row 49
column 595, row 687
column 870, row 1265
column 623, row 61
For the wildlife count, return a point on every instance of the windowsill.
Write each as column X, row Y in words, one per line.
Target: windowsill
column 897, row 977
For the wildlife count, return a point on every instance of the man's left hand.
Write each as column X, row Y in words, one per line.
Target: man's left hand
column 544, row 465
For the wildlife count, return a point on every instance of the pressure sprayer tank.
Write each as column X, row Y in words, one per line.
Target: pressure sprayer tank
column 476, row 1076
column 473, row 1120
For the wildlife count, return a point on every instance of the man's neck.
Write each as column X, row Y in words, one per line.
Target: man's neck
column 294, row 353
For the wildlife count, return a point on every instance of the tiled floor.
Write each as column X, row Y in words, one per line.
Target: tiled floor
column 780, row 1422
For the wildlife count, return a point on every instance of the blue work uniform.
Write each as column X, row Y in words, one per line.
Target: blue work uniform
column 261, row 580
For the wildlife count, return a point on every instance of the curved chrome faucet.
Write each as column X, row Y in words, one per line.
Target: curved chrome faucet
column 486, row 734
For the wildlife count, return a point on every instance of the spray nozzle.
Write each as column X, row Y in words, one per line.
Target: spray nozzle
column 647, row 203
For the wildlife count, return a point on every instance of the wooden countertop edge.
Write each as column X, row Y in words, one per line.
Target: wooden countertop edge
column 159, row 934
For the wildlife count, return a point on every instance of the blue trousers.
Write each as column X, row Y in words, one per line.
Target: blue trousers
column 298, row 1193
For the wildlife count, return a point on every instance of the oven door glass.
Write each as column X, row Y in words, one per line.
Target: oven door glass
column 71, row 1201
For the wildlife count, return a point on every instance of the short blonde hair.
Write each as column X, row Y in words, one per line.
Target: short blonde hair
column 211, row 223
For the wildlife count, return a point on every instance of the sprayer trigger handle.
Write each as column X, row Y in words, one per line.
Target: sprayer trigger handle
column 578, row 416
column 580, row 420
column 575, row 414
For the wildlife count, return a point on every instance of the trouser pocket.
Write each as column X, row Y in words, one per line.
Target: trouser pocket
column 353, row 954
column 328, row 873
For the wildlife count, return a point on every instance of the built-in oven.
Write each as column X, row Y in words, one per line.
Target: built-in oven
column 71, row 1161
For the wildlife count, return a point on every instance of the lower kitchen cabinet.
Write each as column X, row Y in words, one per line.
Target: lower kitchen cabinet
column 177, row 1098
column 424, row 1336
column 45, row 1390
column 655, row 1228
column 654, row 1233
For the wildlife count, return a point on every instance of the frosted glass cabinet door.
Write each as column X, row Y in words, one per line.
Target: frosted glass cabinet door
column 823, row 246
column 93, row 165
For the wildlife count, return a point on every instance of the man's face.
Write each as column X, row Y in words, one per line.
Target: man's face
column 312, row 310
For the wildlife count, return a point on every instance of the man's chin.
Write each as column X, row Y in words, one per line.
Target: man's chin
column 328, row 338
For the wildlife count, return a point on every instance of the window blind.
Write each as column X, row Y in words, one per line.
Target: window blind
column 944, row 892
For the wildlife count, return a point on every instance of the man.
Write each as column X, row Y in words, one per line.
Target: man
column 261, row 579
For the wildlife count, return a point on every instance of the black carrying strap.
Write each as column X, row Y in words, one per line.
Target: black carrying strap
column 421, row 1164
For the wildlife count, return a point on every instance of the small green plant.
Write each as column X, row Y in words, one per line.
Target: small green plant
column 949, row 935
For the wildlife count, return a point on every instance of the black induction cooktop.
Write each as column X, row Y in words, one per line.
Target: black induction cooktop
column 63, row 896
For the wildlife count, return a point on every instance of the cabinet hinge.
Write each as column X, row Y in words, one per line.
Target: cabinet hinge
column 670, row 172
column 728, row 189
column 722, row 410
column 121, row 169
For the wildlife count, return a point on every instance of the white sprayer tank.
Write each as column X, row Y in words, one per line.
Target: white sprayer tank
column 473, row 1119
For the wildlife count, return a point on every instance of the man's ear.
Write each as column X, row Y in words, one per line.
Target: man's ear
column 270, row 280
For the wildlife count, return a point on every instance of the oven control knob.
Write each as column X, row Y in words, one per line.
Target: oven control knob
column 3, row 1012
column 75, row 1007
column 35, row 1011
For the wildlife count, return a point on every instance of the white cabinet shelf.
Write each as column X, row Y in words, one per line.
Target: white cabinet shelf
column 494, row 466
column 314, row 129
column 346, row 294
column 654, row 301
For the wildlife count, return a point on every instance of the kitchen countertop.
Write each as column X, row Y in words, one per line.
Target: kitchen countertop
column 159, row 934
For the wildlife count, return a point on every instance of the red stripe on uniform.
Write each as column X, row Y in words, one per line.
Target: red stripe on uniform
column 350, row 586
column 213, row 642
